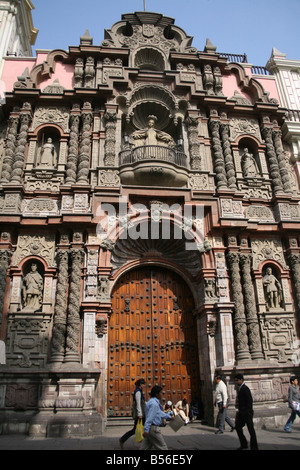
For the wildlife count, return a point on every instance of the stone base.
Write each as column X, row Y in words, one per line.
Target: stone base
column 266, row 417
column 66, row 425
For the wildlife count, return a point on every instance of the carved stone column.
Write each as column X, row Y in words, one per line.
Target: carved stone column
column 110, row 139
column 272, row 159
column 10, row 149
column 229, row 166
column 294, row 261
column 194, row 146
column 84, row 152
column 73, row 320
column 73, row 149
column 281, row 162
column 239, row 320
column 60, row 310
column 221, row 177
column 5, row 256
column 251, row 314
column 18, row 163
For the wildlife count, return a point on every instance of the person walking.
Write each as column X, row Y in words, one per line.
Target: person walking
column 221, row 400
column 138, row 409
column 294, row 398
column 154, row 415
column 244, row 414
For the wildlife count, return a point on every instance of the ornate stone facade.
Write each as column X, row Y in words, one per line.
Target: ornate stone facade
column 89, row 192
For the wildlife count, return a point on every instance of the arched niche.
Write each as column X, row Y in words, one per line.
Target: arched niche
column 249, row 157
column 149, row 58
column 47, row 148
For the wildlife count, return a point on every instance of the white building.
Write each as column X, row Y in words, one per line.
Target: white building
column 17, row 33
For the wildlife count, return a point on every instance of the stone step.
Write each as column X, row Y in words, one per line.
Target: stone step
column 119, row 421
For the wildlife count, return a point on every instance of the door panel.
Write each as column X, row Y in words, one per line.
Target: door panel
column 152, row 334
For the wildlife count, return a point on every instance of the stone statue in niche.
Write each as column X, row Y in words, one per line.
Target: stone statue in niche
column 151, row 136
column 249, row 165
column 32, row 290
column 48, row 154
column 272, row 289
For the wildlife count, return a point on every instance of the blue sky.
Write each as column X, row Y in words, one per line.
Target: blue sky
column 253, row 27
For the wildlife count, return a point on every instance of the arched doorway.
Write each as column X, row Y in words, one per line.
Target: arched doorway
column 152, row 335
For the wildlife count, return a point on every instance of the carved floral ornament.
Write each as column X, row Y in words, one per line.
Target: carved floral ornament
column 140, row 29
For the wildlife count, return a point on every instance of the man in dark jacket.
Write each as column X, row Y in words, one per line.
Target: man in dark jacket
column 244, row 414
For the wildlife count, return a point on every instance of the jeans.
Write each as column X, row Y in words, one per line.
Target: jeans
column 291, row 419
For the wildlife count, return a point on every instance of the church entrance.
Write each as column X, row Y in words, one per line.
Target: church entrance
column 152, row 335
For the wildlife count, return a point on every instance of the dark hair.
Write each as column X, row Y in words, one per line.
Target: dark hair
column 239, row 377
column 293, row 378
column 139, row 382
column 155, row 391
column 218, row 377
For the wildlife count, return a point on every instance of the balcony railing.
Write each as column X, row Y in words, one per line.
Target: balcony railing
column 152, row 152
column 292, row 115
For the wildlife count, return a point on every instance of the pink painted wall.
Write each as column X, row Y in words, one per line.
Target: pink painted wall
column 64, row 73
column 14, row 67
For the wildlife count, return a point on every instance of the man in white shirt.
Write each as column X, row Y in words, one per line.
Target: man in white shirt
column 221, row 400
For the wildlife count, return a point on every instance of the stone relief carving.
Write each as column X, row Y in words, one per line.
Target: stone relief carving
column 259, row 213
column 267, row 249
column 49, row 115
column 244, row 126
column 30, row 245
column 39, row 207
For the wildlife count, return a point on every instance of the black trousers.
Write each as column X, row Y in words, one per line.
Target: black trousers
column 242, row 419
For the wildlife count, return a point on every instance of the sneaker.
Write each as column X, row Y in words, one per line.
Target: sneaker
column 219, row 432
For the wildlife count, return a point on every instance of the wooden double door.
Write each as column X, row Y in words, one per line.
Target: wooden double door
column 152, row 335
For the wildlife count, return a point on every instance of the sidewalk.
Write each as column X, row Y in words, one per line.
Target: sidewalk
column 195, row 436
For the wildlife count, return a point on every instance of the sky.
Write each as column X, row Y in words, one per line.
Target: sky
column 253, row 27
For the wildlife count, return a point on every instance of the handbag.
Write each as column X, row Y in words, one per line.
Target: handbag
column 296, row 405
column 139, row 431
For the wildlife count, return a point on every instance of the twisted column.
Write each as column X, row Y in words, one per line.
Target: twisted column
column 5, row 256
column 194, row 146
column 251, row 313
column 73, row 150
column 84, row 152
column 294, row 261
column 18, row 162
column 272, row 159
column 229, row 166
column 281, row 162
column 60, row 310
column 221, row 177
column 73, row 319
column 110, row 139
column 10, row 149
column 239, row 319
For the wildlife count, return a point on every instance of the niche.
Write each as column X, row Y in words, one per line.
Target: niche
column 47, row 148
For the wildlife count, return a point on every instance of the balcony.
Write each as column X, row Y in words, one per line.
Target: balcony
column 153, row 165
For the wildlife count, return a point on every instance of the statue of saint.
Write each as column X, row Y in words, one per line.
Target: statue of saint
column 152, row 136
column 273, row 290
column 48, row 154
column 249, row 165
column 33, row 290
